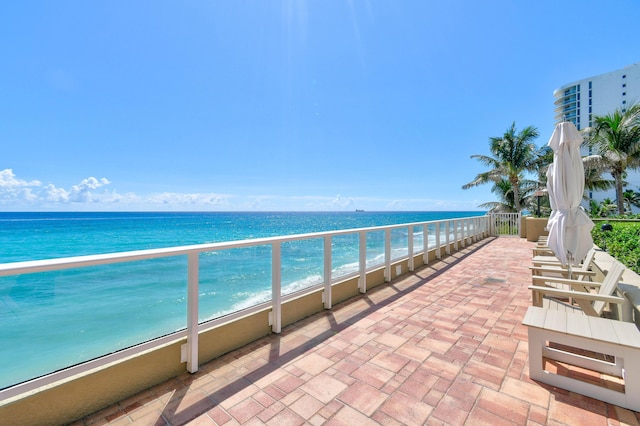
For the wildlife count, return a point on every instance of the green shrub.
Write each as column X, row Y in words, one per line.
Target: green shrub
column 622, row 242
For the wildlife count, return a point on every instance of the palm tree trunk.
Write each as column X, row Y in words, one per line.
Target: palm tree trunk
column 516, row 195
column 619, row 192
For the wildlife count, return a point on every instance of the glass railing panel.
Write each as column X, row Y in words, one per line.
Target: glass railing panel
column 96, row 311
column 399, row 243
column 418, row 239
column 232, row 280
column 302, row 264
column 375, row 248
column 344, row 255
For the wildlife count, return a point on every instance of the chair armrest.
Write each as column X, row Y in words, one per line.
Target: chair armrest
column 548, row 263
column 542, row 251
column 561, row 270
column 576, row 294
column 567, row 281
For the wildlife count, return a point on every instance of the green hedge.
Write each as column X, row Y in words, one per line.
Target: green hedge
column 622, row 242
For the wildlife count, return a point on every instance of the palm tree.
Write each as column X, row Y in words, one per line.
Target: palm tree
column 603, row 209
column 593, row 180
column 513, row 154
column 607, row 207
column 631, row 198
column 506, row 196
column 616, row 139
column 594, row 208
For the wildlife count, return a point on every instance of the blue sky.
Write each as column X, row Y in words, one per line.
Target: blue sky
column 282, row 105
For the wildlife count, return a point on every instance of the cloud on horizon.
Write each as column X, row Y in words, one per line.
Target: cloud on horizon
column 93, row 193
column 16, row 194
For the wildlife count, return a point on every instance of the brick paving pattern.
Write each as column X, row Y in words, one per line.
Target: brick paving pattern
column 443, row 345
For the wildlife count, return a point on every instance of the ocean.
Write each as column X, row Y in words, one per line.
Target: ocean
column 53, row 320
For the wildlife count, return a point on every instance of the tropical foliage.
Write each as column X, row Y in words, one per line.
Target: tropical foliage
column 631, row 198
column 514, row 153
column 622, row 242
column 506, row 195
column 615, row 140
column 605, row 208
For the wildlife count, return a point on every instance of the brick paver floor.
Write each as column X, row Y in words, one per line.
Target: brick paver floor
column 442, row 345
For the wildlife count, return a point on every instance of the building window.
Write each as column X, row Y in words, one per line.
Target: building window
column 624, row 84
column 624, row 102
column 590, row 110
column 589, row 85
column 589, row 102
column 624, row 76
column 589, row 93
column 624, row 93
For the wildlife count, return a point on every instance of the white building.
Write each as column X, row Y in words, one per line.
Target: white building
column 602, row 94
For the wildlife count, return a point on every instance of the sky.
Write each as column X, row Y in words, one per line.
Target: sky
column 282, row 105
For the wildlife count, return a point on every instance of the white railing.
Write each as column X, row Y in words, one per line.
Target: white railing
column 446, row 234
column 505, row 224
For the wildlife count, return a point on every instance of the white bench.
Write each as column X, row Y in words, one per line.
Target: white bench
column 600, row 335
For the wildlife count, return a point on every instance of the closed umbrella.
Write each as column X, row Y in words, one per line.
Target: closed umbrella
column 569, row 225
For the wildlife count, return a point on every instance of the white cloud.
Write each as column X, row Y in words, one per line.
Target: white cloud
column 55, row 195
column 85, row 191
column 174, row 199
column 342, row 202
column 14, row 190
column 20, row 193
column 8, row 181
column 96, row 194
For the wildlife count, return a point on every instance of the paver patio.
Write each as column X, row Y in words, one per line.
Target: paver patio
column 441, row 345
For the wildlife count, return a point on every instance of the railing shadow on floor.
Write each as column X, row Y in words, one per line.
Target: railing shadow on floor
column 173, row 415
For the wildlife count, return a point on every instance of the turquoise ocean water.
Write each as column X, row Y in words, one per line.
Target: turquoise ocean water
column 53, row 320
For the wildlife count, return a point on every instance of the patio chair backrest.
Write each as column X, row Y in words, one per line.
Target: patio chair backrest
column 607, row 288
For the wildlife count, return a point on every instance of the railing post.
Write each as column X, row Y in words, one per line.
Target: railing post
column 456, row 225
column 410, row 247
column 494, row 226
column 276, row 287
column 327, row 272
column 362, row 281
column 192, row 312
column 425, row 243
column 447, row 237
column 387, row 255
column 463, row 232
column 438, row 254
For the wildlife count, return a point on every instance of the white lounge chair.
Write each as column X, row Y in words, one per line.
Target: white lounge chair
column 588, row 302
column 552, row 260
column 555, row 269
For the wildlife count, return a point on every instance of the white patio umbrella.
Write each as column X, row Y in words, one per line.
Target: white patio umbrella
column 569, row 225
